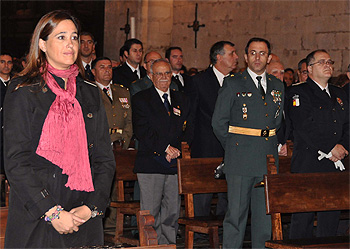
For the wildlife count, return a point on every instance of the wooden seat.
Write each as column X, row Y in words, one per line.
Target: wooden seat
column 196, row 176
column 307, row 192
column 125, row 160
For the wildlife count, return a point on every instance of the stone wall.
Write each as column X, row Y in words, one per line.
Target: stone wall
column 294, row 28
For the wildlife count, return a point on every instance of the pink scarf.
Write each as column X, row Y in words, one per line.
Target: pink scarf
column 63, row 138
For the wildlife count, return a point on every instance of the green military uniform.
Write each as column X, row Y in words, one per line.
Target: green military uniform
column 240, row 104
column 119, row 114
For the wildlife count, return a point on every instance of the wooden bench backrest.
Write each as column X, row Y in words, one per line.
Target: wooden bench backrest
column 290, row 193
column 196, row 176
column 125, row 161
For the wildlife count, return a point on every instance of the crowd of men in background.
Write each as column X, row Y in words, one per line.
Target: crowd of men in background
column 158, row 103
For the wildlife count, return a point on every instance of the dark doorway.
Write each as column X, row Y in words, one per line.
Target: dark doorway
column 18, row 20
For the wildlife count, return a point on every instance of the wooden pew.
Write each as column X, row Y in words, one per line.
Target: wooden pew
column 3, row 222
column 196, row 176
column 125, row 160
column 308, row 192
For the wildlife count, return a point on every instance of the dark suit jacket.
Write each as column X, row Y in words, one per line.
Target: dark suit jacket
column 318, row 123
column 203, row 93
column 25, row 111
column 123, row 75
column 187, row 83
column 155, row 129
column 2, row 98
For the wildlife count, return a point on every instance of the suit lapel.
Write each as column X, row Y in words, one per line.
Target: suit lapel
column 158, row 103
column 318, row 92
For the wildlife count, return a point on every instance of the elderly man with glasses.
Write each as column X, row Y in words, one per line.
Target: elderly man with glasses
column 319, row 115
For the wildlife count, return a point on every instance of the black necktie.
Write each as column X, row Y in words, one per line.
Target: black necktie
column 88, row 73
column 178, row 83
column 135, row 72
column 325, row 91
column 166, row 103
column 261, row 89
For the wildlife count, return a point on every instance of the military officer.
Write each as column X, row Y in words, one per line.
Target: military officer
column 319, row 115
column 247, row 114
column 116, row 100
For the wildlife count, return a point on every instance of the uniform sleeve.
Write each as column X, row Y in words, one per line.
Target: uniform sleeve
column 103, row 163
column 128, row 125
column 18, row 118
column 221, row 115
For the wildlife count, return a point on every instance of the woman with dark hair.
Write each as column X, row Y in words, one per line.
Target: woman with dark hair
column 58, row 155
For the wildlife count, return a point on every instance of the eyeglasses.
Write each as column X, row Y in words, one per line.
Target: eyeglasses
column 323, row 62
column 159, row 74
column 304, row 71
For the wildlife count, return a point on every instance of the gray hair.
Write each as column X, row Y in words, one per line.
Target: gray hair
column 159, row 60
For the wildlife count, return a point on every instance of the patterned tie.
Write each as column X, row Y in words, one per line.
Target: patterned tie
column 106, row 91
column 166, row 103
column 261, row 89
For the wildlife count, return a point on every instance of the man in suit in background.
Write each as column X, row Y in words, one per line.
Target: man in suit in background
column 160, row 117
column 146, row 82
column 131, row 69
column 87, row 46
column 206, row 85
column 319, row 115
column 175, row 57
column 6, row 65
column 247, row 114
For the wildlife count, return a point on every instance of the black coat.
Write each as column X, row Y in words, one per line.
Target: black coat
column 204, row 92
column 123, row 75
column 30, row 175
column 2, row 97
column 318, row 122
column 155, row 129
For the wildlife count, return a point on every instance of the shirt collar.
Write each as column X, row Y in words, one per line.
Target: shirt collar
column 84, row 64
column 131, row 67
column 220, row 76
column 102, row 86
column 161, row 94
column 322, row 88
column 3, row 81
column 254, row 75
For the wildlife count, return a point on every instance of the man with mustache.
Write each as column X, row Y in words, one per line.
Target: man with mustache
column 160, row 121
column 319, row 115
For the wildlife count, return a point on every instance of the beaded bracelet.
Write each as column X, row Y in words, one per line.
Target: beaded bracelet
column 54, row 215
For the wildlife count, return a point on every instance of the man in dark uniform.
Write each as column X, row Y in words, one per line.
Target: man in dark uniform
column 87, row 46
column 131, row 69
column 206, row 85
column 319, row 115
column 6, row 65
column 160, row 117
column 247, row 114
column 175, row 57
